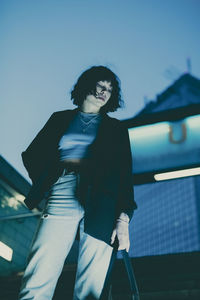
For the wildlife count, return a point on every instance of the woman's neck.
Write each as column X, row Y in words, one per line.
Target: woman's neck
column 89, row 109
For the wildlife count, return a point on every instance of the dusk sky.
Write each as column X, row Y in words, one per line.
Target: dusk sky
column 47, row 44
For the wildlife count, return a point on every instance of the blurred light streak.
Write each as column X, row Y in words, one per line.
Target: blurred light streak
column 6, row 252
column 177, row 174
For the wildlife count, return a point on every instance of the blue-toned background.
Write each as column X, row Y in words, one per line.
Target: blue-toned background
column 45, row 45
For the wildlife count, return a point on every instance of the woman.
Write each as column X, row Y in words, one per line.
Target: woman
column 81, row 163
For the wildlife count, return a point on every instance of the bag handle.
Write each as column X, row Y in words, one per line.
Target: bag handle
column 132, row 281
column 131, row 276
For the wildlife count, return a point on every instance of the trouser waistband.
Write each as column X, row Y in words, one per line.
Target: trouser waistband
column 75, row 168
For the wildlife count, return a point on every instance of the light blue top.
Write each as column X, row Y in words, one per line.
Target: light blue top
column 76, row 141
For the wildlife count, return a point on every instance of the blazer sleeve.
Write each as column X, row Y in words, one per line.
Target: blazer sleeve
column 126, row 202
column 35, row 156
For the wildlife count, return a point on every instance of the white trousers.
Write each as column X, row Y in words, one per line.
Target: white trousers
column 53, row 240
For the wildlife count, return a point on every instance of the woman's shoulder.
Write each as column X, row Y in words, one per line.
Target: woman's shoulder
column 115, row 122
column 64, row 112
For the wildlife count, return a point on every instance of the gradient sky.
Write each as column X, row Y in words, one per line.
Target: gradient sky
column 46, row 44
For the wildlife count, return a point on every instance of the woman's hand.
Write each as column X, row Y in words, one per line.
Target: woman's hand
column 121, row 231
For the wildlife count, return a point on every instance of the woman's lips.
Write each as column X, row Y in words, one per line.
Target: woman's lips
column 101, row 98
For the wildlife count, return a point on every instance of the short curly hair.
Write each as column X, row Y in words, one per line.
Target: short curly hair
column 86, row 84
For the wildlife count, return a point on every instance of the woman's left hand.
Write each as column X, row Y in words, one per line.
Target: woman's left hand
column 121, row 231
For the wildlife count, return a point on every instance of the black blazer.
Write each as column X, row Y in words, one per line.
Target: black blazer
column 106, row 189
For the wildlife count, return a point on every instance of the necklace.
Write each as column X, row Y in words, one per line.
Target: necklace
column 86, row 124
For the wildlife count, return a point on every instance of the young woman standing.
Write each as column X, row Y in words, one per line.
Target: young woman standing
column 81, row 163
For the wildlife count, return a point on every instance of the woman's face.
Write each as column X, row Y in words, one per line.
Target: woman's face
column 103, row 90
column 102, row 95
